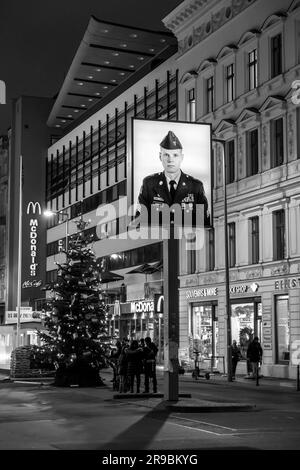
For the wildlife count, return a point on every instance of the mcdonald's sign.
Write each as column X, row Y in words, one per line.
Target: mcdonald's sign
column 158, row 303
column 32, row 207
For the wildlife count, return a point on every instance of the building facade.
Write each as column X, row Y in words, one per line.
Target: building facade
column 118, row 73
column 239, row 62
column 29, row 137
column 3, row 216
column 234, row 68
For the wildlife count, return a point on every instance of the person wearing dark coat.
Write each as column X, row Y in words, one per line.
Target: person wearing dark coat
column 236, row 357
column 122, row 369
column 134, row 357
column 255, row 353
column 114, row 357
column 150, row 352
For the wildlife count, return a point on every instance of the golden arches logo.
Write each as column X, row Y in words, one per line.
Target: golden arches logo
column 33, row 207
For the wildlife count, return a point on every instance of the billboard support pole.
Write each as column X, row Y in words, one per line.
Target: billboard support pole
column 227, row 291
column 19, row 281
column 171, row 316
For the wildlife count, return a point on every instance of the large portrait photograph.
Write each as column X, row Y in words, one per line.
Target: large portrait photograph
column 172, row 166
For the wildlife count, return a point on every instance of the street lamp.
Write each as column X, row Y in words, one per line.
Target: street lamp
column 50, row 213
column 227, row 291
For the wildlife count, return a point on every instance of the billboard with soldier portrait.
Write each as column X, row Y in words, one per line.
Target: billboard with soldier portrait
column 171, row 165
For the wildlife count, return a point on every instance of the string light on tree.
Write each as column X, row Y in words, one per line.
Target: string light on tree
column 76, row 337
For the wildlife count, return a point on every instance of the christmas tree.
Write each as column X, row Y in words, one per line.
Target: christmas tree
column 76, row 335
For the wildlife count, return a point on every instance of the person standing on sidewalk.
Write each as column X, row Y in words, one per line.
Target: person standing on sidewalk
column 236, row 356
column 255, row 353
column 150, row 352
column 134, row 357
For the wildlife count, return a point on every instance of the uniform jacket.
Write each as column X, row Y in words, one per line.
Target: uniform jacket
column 189, row 192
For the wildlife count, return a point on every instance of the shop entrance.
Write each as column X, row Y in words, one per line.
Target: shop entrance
column 246, row 322
column 203, row 333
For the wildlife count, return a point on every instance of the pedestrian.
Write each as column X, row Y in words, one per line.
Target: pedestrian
column 113, row 359
column 122, row 369
column 236, row 357
column 150, row 352
column 134, row 357
column 255, row 353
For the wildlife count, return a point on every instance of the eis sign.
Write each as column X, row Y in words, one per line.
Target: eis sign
column 33, row 208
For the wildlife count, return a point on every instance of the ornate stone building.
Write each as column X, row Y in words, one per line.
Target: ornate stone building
column 240, row 62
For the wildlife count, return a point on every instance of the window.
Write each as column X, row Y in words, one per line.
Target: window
column 252, row 69
column 203, row 334
column 254, row 244
column 278, row 234
column 298, row 131
column 230, row 161
column 276, row 55
column 252, row 153
column 209, row 94
column 191, row 255
column 246, row 322
column 282, row 329
column 229, row 83
column 211, row 250
column 51, row 276
column 231, row 245
column 191, row 105
column 276, row 142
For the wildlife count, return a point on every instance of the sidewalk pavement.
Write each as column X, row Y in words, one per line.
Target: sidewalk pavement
column 276, row 381
column 186, row 403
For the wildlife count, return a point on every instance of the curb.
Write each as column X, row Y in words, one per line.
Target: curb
column 209, row 408
column 146, row 395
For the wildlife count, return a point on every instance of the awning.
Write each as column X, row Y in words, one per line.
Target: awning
column 109, row 59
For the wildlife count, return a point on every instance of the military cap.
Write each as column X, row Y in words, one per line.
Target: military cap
column 171, row 142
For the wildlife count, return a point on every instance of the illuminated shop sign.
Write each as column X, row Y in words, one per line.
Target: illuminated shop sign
column 159, row 303
column 192, row 294
column 33, row 208
column 142, row 306
column 29, row 284
column 26, row 315
column 212, row 291
column 243, row 288
column 291, row 283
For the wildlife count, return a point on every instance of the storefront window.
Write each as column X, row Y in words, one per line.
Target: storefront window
column 282, row 328
column 203, row 331
column 245, row 324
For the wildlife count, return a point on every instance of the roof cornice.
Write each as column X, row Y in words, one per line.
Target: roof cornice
column 194, row 20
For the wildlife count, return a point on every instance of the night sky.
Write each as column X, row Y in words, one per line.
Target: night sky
column 38, row 39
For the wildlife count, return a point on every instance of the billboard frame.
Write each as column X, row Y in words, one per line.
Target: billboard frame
column 134, row 118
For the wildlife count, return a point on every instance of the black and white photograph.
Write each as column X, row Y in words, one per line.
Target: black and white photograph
column 130, row 350
column 180, row 173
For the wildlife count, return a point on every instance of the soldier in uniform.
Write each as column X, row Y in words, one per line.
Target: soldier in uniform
column 172, row 186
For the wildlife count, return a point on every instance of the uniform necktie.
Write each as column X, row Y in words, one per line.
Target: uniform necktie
column 172, row 189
